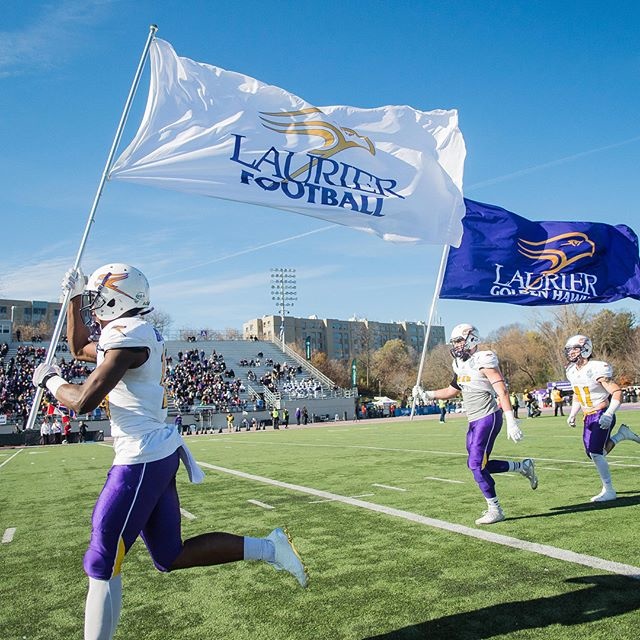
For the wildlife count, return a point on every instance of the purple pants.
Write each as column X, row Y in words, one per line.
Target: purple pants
column 481, row 435
column 593, row 437
column 137, row 499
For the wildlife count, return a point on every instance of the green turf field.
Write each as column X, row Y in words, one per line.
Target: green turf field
column 379, row 568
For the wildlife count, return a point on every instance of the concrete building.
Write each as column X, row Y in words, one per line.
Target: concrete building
column 26, row 313
column 341, row 339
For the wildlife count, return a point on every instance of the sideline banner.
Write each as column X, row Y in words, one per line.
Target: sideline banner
column 392, row 171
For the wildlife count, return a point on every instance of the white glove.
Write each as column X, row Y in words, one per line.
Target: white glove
column 75, row 281
column 44, row 373
column 419, row 393
column 571, row 421
column 513, row 430
column 605, row 420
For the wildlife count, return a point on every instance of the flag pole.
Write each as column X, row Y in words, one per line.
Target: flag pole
column 436, row 295
column 114, row 146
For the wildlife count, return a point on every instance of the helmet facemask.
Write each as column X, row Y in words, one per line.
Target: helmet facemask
column 577, row 348
column 92, row 300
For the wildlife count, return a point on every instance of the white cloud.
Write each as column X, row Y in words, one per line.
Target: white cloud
column 53, row 36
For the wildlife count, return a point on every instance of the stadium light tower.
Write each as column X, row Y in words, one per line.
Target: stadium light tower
column 283, row 293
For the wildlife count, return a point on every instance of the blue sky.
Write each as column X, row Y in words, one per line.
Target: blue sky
column 547, row 95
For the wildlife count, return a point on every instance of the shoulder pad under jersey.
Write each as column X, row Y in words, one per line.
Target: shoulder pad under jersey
column 124, row 333
column 601, row 369
column 486, row 360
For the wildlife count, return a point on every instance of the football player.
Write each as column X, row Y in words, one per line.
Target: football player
column 595, row 392
column 139, row 497
column 477, row 375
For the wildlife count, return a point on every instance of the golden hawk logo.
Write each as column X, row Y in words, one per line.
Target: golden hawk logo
column 336, row 139
column 120, row 328
column 110, row 281
column 560, row 251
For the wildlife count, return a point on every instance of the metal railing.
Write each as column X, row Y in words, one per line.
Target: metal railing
column 325, row 381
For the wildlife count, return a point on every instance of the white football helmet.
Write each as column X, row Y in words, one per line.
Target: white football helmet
column 578, row 342
column 113, row 290
column 464, row 341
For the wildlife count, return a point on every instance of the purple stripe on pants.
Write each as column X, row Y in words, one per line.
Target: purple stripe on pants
column 137, row 499
column 481, row 435
column 593, row 437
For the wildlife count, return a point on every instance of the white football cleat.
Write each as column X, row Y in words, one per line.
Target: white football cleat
column 528, row 470
column 490, row 516
column 287, row 557
column 605, row 496
column 627, row 434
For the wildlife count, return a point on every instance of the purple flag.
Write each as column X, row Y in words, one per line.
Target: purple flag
column 507, row 258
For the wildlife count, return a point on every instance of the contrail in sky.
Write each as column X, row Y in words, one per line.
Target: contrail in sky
column 545, row 165
column 245, row 251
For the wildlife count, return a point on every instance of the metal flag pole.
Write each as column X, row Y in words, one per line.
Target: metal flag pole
column 436, row 295
column 114, row 146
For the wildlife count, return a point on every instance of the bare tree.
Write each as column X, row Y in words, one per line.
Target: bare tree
column 565, row 322
column 524, row 357
column 160, row 320
column 612, row 335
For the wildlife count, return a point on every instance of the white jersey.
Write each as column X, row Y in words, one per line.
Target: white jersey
column 137, row 405
column 477, row 392
column 586, row 388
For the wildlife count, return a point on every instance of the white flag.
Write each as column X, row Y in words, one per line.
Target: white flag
column 393, row 170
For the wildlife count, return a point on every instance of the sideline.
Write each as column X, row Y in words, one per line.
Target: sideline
column 507, row 541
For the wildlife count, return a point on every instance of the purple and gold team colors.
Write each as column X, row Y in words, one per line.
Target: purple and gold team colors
column 485, row 418
column 481, row 437
column 137, row 499
column 594, row 400
column 504, row 257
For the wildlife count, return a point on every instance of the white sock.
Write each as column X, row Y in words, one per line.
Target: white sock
column 259, row 549
column 603, row 469
column 102, row 611
column 493, row 503
column 515, row 466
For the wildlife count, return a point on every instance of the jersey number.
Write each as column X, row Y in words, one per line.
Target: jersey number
column 584, row 396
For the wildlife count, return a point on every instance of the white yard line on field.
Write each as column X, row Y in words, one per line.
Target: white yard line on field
column 186, row 514
column 11, row 458
column 444, row 480
column 264, row 505
column 362, row 495
column 7, row 536
column 546, row 550
column 387, row 486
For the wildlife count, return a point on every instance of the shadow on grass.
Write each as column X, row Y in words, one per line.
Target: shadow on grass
column 622, row 501
column 607, row 596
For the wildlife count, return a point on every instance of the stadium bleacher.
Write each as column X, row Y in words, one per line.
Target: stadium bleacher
column 203, row 366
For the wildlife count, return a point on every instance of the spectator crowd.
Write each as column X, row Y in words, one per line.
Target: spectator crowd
column 192, row 380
